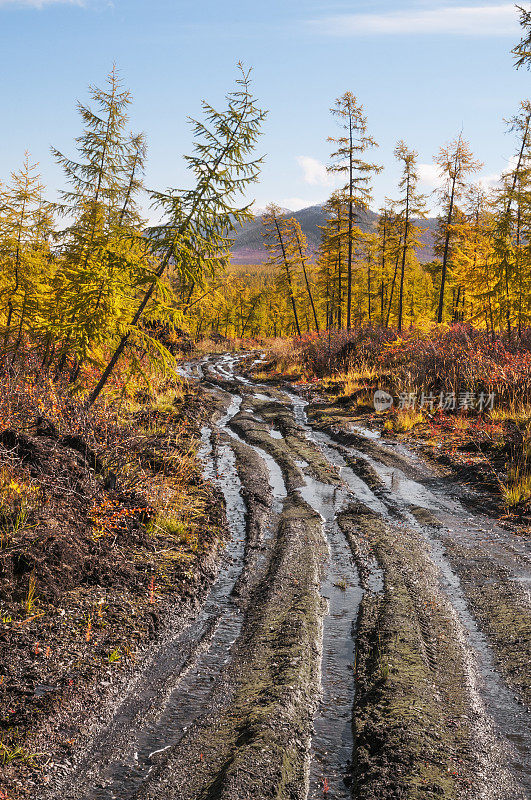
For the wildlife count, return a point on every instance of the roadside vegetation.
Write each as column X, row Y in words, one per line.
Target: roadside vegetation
column 462, row 393
column 106, row 524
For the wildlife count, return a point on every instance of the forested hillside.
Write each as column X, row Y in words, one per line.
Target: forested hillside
column 248, row 247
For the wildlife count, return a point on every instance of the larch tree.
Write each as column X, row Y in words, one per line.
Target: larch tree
column 332, row 257
column 104, row 257
column 386, row 249
column 474, row 258
column 133, row 185
column 25, row 229
column 411, row 205
column 325, row 286
column 371, row 247
column 195, row 234
column 522, row 51
column 282, row 247
column 512, row 202
column 456, row 162
column 348, row 159
column 97, row 179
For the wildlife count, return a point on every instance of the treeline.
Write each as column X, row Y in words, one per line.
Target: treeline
column 85, row 279
column 82, row 280
column 481, row 272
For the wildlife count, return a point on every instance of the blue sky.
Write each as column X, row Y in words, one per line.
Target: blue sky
column 423, row 70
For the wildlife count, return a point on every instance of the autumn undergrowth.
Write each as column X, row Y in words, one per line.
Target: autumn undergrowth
column 450, row 359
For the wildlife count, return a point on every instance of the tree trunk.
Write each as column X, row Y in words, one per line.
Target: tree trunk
column 350, row 228
column 445, row 253
column 288, row 276
column 308, row 288
column 404, row 253
column 393, row 285
column 369, row 287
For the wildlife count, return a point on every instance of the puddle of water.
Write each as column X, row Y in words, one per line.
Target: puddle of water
column 361, row 491
column 327, row 446
column 375, row 581
column 367, row 433
column 232, row 410
column 190, row 370
column 276, row 479
column 408, row 490
column 332, row 743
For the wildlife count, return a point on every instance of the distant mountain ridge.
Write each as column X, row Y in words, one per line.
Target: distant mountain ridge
column 249, row 245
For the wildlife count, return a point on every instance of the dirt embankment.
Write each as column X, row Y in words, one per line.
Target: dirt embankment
column 98, row 550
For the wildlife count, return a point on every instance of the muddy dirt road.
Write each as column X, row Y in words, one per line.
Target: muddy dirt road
column 367, row 635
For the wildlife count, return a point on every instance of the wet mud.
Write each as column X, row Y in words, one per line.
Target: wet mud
column 354, row 642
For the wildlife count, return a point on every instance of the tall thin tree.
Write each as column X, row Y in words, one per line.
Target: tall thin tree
column 410, row 205
column 348, row 160
column 455, row 161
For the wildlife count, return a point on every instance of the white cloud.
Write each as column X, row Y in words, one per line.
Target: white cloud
column 488, row 182
column 429, row 175
column 315, row 172
column 39, row 3
column 485, row 20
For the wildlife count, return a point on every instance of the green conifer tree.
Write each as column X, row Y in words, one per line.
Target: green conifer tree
column 195, row 235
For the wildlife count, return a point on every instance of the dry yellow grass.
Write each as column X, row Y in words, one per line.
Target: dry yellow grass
column 405, row 420
column 520, row 414
column 356, row 379
column 518, row 487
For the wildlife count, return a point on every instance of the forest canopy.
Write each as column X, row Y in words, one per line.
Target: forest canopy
column 86, row 278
